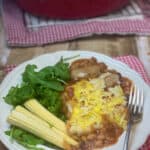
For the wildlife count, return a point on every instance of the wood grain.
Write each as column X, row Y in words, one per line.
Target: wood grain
column 109, row 45
column 2, row 147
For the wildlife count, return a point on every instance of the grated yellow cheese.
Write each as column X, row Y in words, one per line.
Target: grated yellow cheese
column 91, row 103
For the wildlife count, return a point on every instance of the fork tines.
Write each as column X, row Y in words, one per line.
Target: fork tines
column 136, row 100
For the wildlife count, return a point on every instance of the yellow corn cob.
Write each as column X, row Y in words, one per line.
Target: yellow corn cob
column 33, row 126
column 30, row 115
column 66, row 138
column 35, row 107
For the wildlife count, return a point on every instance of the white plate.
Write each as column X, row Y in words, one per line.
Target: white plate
column 139, row 134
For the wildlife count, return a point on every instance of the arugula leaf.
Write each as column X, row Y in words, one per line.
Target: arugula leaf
column 18, row 95
column 61, row 70
column 39, row 78
column 45, row 85
column 69, row 58
column 26, row 139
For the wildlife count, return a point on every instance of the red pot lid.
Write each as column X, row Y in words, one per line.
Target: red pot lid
column 71, row 9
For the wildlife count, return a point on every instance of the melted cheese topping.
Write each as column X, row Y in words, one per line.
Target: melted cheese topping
column 91, row 102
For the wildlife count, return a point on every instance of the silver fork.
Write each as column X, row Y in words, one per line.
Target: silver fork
column 135, row 106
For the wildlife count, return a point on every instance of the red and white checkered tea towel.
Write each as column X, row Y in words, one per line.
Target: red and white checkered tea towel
column 134, row 63
column 18, row 33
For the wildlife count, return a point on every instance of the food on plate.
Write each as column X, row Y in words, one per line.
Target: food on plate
column 46, row 86
column 74, row 106
column 37, row 109
column 95, row 104
column 22, row 118
column 83, row 68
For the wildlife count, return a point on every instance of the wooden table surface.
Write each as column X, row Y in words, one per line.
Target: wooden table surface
column 110, row 45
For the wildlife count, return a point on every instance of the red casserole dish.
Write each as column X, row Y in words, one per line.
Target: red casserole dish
column 71, row 9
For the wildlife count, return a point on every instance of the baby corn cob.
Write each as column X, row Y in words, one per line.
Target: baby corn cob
column 68, row 139
column 33, row 126
column 29, row 119
column 35, row 107
column 30, row 115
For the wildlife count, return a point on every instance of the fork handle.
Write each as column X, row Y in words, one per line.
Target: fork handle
column 127, row 136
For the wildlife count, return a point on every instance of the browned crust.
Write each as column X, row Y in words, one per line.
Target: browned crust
column 89, row 68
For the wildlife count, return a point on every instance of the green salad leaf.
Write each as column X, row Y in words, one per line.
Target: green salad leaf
column 18, row 95
column 44, row 85
column 42, row 77
column 24, row 138
column 27, row 139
